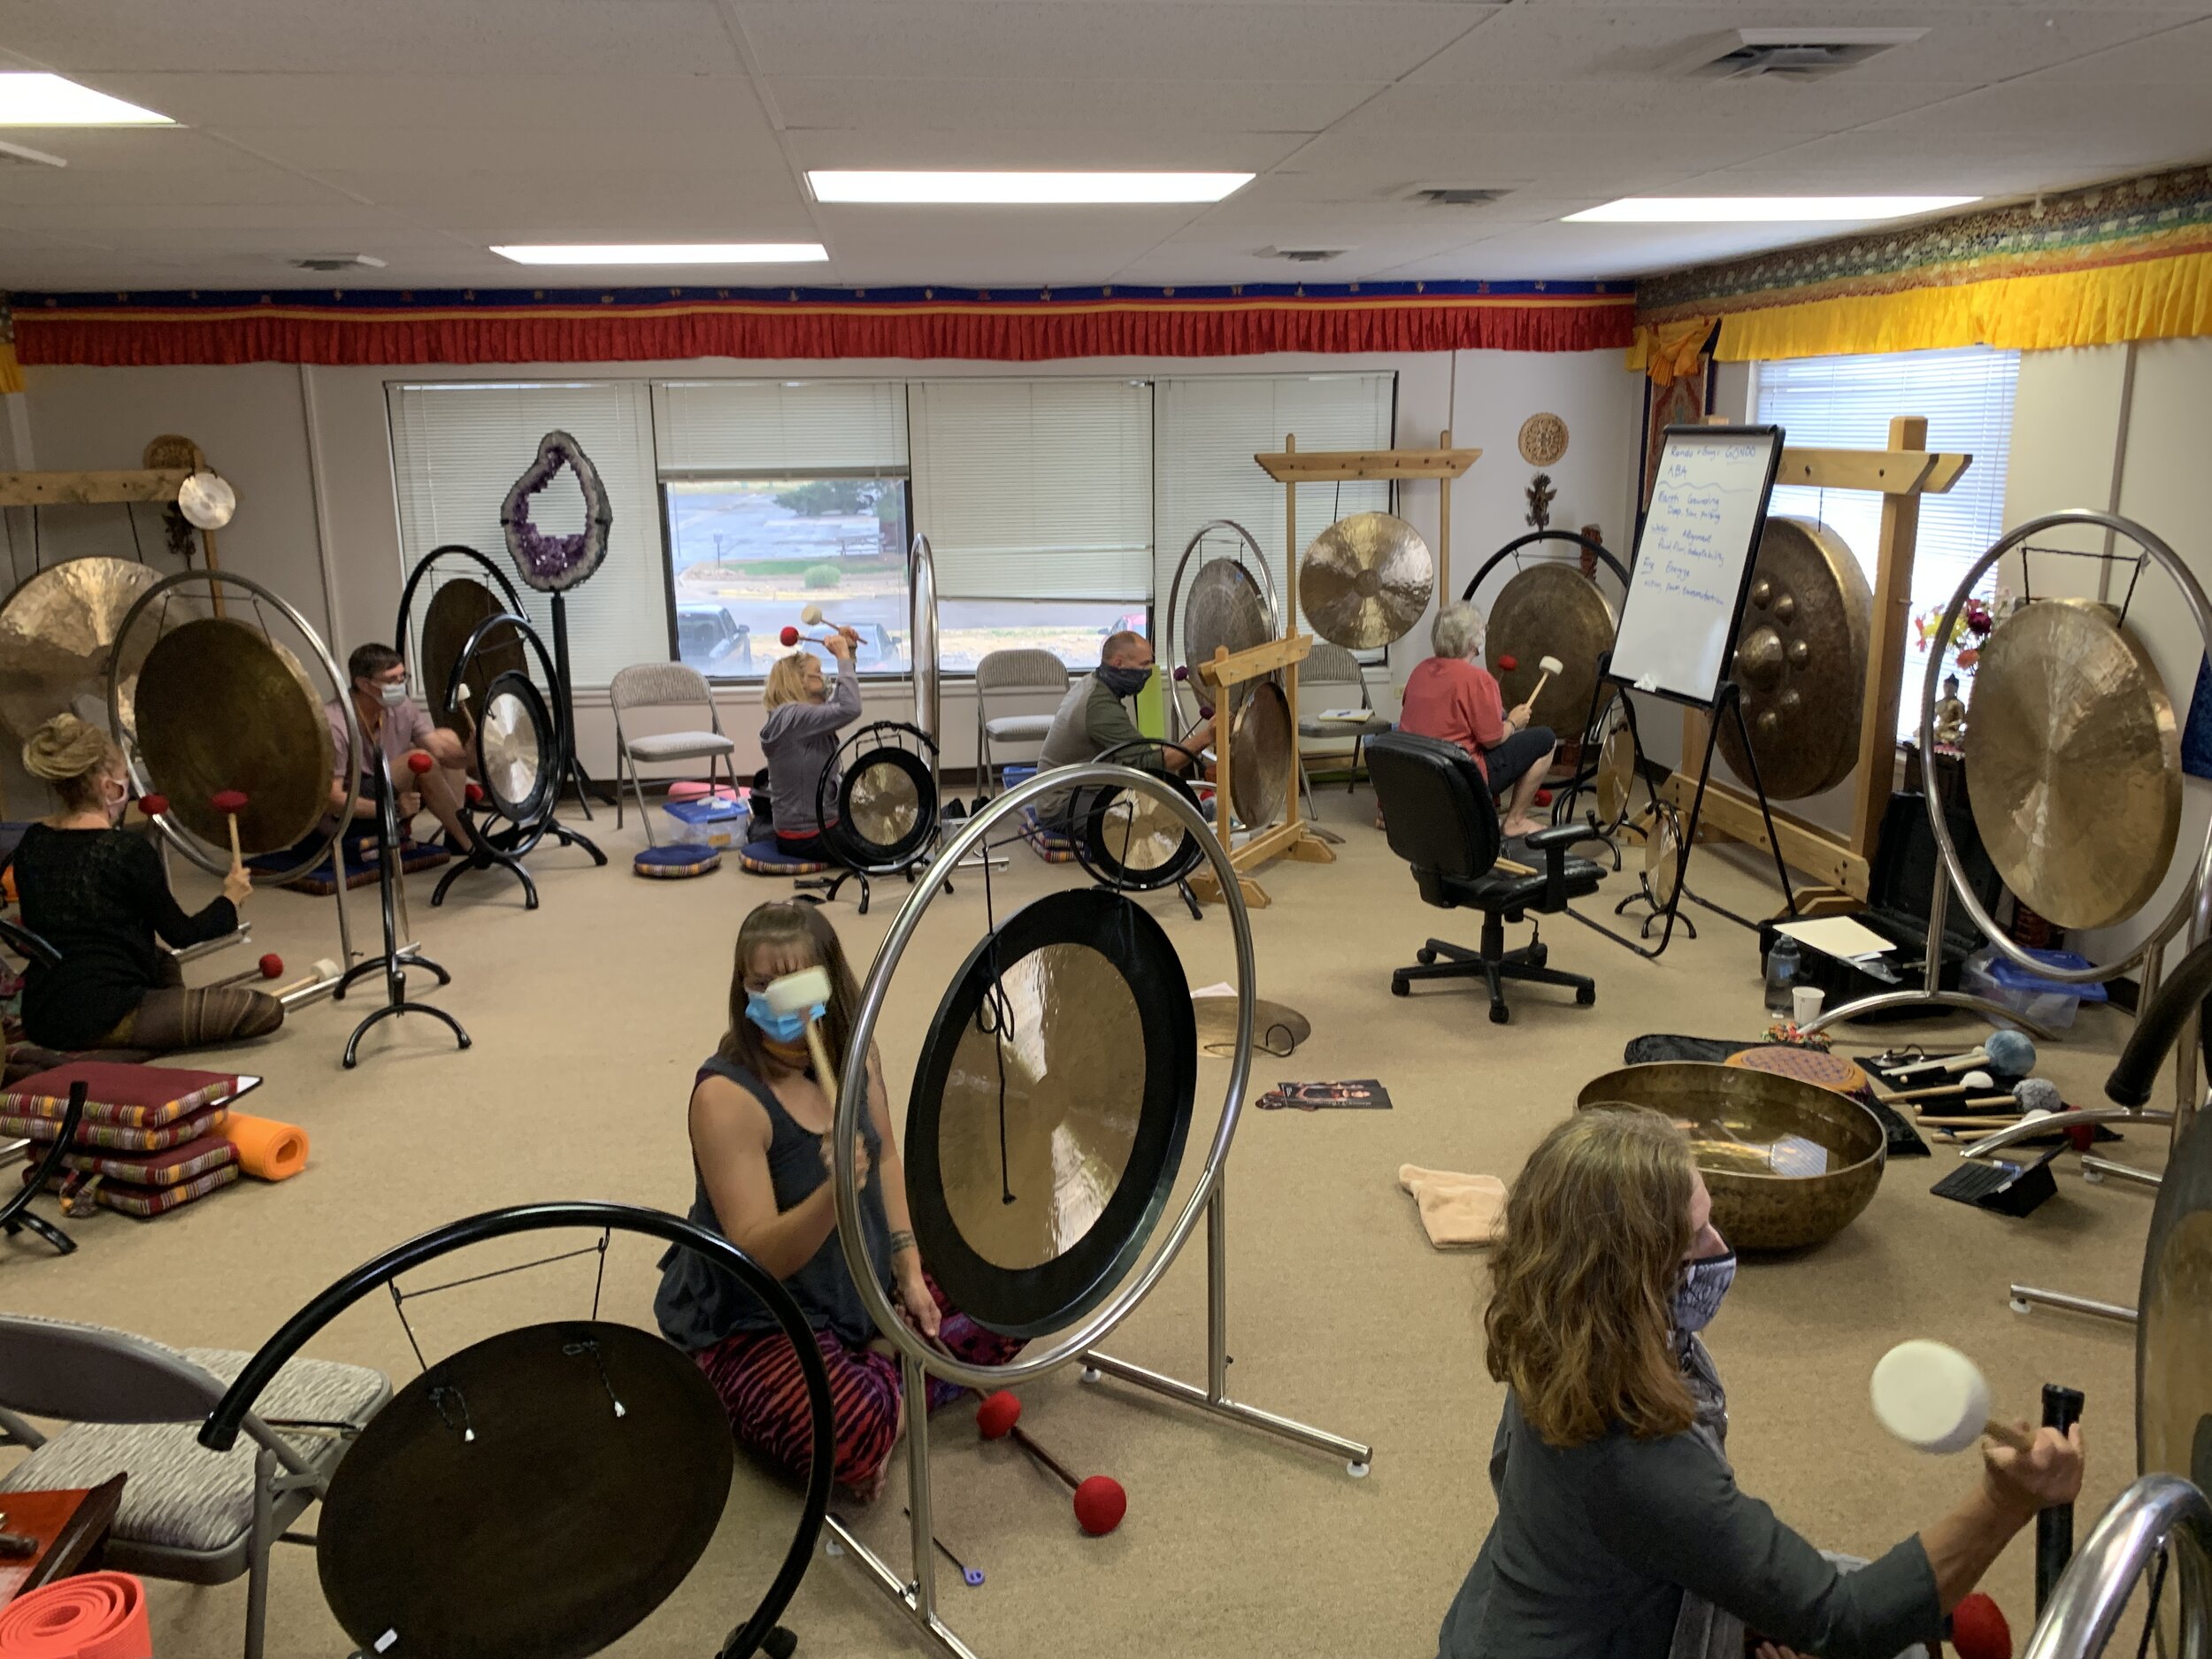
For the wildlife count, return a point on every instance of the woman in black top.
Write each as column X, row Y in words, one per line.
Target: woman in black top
column 98, row 895
column 760, row 1153
column 1621, row 1533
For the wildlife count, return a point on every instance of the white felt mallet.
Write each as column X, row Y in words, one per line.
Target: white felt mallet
column 1935, row 1399
column 807, row 993
column 1550, row 665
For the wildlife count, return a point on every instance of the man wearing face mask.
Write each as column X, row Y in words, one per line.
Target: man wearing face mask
column 1094, row 717
column 393, row 722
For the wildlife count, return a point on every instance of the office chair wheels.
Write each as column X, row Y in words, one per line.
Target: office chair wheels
column 1399, row 987
column 1538, row 953
column 1425, row 956
column 1585, row 995
column 1500, row 1013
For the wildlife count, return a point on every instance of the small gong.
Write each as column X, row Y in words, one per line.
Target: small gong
column 879, row 806
column 1049, row 1110
column 516, row 755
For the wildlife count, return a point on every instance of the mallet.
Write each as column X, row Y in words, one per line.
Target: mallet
column 324, row 975
column 791, row 636
column 153, row 805
column 1966, row 1084
column 1935, row 1399
column 1100, row 1502
column 267, row 968
column 2005, row 1051
column 807, row 992
column 230, row 803
column 1550, row 665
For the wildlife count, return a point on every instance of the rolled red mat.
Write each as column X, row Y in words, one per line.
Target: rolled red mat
column 419, row 762
column 92, row 1616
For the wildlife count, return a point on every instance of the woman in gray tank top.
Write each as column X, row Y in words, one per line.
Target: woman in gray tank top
column 760, row 1170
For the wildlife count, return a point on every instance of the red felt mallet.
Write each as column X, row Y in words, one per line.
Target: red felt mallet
column 1978, row 1630
column 153, row 805
column 269, row 967
column 1509, row 663
column 1100, row 1502
column 419, row 762
column 230, row 803
column 475, row 793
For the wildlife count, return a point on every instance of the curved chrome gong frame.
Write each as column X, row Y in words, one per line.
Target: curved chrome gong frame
column 916, row 1591
column 1171, row 644
column 921, row 632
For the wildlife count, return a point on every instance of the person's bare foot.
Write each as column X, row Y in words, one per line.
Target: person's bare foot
column 1515, row 827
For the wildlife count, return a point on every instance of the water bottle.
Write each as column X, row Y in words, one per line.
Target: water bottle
column 1782, row 974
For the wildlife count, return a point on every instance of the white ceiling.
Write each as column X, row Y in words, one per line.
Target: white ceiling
column 422, row 131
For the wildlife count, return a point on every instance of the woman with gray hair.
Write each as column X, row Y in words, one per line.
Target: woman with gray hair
column 1451, row 695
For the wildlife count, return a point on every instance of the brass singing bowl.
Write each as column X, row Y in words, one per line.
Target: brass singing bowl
column 1754, row 1208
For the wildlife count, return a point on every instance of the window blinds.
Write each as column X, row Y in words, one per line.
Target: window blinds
column 1847, row 404
column 1034, row 489
column 1212, row 425
column 777, row 428
column 456, row 450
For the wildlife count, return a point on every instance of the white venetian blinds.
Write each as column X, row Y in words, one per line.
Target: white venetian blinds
column 779, row 428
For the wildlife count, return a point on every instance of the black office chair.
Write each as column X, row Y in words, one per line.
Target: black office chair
column 1443, row 822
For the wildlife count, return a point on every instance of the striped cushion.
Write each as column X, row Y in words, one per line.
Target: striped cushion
column 765, row 859
column 1054, row 846
column 676, row 861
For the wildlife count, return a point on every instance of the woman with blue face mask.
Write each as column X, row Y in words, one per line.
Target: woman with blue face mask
column 761, row 1154
column 1620, row 1532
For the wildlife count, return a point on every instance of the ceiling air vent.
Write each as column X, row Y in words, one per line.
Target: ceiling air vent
column 1801, row 54
column 1302, row 255
column 1453, row 194
column 338, row 262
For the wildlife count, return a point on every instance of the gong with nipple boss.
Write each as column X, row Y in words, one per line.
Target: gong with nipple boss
column 1800, row 661
column 1050, row 1109
column 1550, row 609
column 1365, row 580
column 221, row 706
column 57, row 631
column 1225, row 610
column 1263, row 750
column 2073, row 762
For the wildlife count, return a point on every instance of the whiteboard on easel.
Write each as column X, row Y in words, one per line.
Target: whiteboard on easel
column 1693, row 560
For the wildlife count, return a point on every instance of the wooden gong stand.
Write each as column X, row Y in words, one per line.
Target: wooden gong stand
column 1294, row 837
column 1841, row 862
column 148, row 482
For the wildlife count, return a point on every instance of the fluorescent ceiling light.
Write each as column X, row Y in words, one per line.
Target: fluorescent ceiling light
column 1743, row 209
column 1032, row 188
column 42, row 100
column 665, row 253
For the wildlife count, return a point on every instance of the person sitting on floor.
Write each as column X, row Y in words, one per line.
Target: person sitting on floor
column 799, row 739
column 1451, row 695
column 98, row 895
column 1093, row 719
column 1621, row 1533
column 393, row 722
column 760, row 1155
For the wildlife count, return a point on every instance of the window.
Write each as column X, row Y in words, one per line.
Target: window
column 779, row 494
column 456, row 450
column 1847, row 402
column 1036, row 496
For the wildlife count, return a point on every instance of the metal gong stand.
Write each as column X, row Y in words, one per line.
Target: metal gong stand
column 881, row 817
column 436, row 1536
column 152, row 607
column 1113, row 826
column 1172, row 623
column 916, row 1595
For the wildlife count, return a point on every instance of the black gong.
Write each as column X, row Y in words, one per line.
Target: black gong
column 536, row 1496
column 1050, row 1109
column 1128, row 838
column 518, row 747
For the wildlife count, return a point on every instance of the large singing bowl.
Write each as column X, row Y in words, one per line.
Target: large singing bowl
column 1740, row 1117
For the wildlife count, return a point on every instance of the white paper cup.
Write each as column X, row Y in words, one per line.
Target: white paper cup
column 1805, row 1001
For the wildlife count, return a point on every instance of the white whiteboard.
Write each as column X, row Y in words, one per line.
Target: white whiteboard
column 1692, row 558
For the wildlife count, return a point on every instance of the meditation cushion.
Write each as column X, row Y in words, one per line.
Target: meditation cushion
column 766, row 858
column 677, row 861
column 1052, row 844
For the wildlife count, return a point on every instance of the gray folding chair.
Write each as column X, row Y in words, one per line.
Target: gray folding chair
column 135, row 1407
column 664, row 686
column 1024, row 669
column 1330, row 678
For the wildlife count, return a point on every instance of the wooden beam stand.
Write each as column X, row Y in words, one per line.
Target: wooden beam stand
column 66, row 489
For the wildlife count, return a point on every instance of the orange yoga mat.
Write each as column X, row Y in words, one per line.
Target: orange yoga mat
column 267, row 1150
column 92, row 1616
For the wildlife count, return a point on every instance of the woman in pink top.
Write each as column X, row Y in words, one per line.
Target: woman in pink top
column 1452, row 696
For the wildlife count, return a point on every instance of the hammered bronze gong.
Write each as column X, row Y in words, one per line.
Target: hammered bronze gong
column 222, row 706
column 2073, row 763
column 1550, row 609
column 1616, row 779
column 1225, row 610
column 2173, row 1333
column 57, row 633
column 1365, row 580
column 1800, row 661
column 457, row 608
column 536, row 1496
column 1662, row 857
column 887, row 805
column 1263, row 751
column 1049, row 1108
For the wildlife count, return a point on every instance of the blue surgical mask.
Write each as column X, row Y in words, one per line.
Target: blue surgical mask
column 1125, row 682
column 1697, row 1298
column 780, row 1027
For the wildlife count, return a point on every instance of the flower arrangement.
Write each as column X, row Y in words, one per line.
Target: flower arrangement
column 1968, row 631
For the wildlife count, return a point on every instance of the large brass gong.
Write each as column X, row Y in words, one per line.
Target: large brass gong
column 1800, row 660
column 1365, row 580
column 1550, row 609
column 2073, row 763
column 1225, row 610
column 1264, row 752
column 57, row 632
column 222, row 706
column 1050, row 1109
column 456, row 611
column 2173, row 1334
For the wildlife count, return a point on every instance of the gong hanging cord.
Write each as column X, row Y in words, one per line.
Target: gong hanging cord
column 995, row 1018
column 400, row 1298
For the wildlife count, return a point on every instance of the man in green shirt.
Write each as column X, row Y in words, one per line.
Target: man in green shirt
column 1094, row 717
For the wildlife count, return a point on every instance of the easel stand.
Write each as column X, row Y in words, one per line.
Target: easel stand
column 396, row 958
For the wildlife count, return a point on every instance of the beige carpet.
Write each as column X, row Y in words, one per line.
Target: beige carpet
column 590, row 1016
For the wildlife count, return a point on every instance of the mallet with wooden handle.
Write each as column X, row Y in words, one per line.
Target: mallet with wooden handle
column 230, row 803
column 808, row 992
column 1935, row 1399
column 267, row 968
column 1966, row 1084
column 1550, row 665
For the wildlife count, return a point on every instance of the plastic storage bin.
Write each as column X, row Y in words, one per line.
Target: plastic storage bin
column 716, row 820
column 2051, row 1002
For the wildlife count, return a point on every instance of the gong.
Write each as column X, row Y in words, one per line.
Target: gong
column 536, row 1495
column 1615, row 779
column 222, row 706
column 1550, row 609
column 2073, row 763
column 2173, row 1333
column 887, row 808
column 516, row 751
column 1800, row 661
column 1662, row 856
column 1225, row 610
column 1134, row 841
column 1263, row 751
column 1049, row 1108
column 57, row 630
column 460, row 607
column 1365, row 580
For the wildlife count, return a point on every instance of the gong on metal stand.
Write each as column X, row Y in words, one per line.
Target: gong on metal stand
column 398, row 956
column 1130, row 842
column 921, row 616
column 877, row 805
column 1062, row 1017
column 1229, row 608
column 537, row 1494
